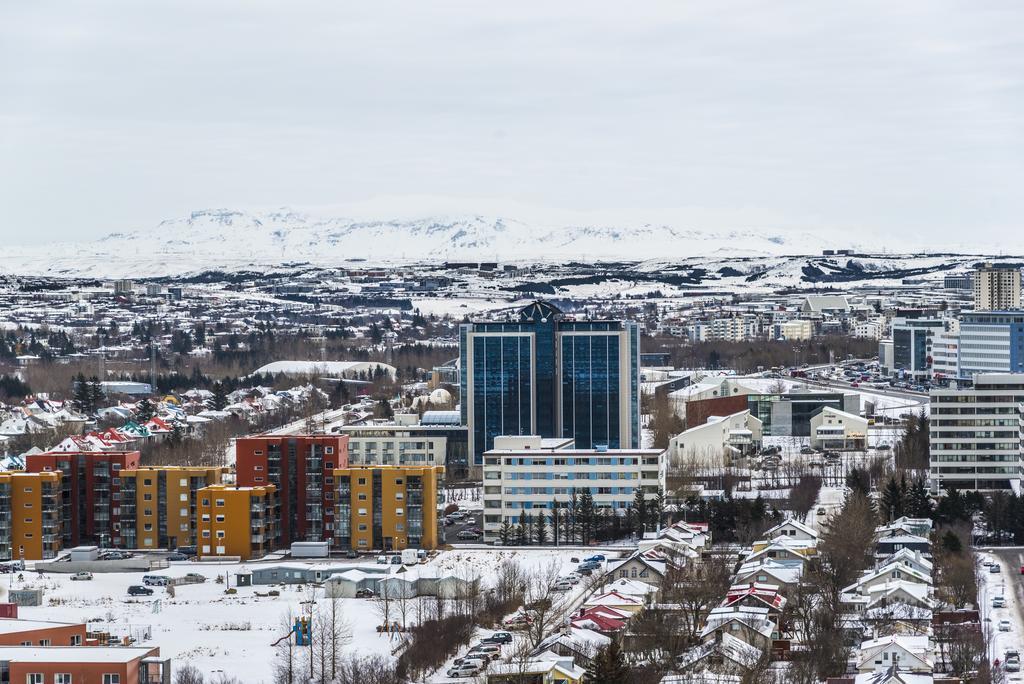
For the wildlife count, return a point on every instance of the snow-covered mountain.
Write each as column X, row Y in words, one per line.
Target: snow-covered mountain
column 224, row 239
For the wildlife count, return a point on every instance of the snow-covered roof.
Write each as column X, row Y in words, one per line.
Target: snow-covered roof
column 329, row 368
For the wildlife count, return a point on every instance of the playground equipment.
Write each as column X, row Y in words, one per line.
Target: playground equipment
column 302, row 630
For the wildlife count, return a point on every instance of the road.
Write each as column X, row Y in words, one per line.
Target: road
column 1007, row 583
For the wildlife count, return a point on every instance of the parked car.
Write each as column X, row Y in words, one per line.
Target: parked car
column 586, row 572
column 588, row 565
column 469, row 660
column 806, row 451
column 499, row 638
column 351, row 554
column 1004, row 625
column 195, row 578
column 468, row 669
column 998, row 602
column 364, row 593
column 173, row 557
column 139, row 590
column 489, row 651
column 187, row 550
column 396, row 560
column 563, row 585
column 995, row 568
column 155, row 580
column 80, row 576
column 597, row 558
column 467, row 534
column 382, row 560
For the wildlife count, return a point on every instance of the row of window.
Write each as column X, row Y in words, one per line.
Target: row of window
column 66, row 678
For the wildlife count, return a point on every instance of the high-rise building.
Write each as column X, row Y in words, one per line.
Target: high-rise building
column 996, row 288
column 30, row 524
column 237, row 521
column 90, row 492
column 910, row 339
column 386, row 507
column 545, row 373
column 301, row 467
column 974, row 434
column 158, row 506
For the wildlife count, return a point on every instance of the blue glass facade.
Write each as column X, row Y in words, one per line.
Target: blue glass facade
column 542, row 375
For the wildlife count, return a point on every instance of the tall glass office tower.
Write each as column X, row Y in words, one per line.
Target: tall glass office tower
column 541, row 374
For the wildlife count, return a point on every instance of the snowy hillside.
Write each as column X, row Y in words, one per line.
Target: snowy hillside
column 224, row 239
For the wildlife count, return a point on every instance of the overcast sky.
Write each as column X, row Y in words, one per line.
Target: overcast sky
column 897, row 117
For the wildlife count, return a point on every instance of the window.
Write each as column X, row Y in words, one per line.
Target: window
column 362, row 496
column 362, row 527
column 62, row 678
column 183, row 512
column 206, row 535
column 329, row 465
column 258, row 468
column 258, row 478
column 148, row 496
column 257, row 452
column 206, row 547
column 399, row 496
column 111, row 679
column 148, row 527
column 183, row 497
column 44, row 642
column 220, row 503
column 34, row 677
column 206, row 502
column 220, row 535
column 329, row 450
column 399, row 512
column 76, row 640
column 147, row 483
column 220, row 518
column 147, row 511
column 362, row 511
column 362, row 480
column 183, row 483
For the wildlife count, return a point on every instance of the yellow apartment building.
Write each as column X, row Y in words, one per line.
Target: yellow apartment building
column 237, row 521
column 30, row 526
column 386, row 507
column 158, row 505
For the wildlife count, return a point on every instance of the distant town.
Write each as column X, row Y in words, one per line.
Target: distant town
column 514, row 474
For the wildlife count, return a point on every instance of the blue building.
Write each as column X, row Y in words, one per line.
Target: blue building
column 545, row 374
column 991, row 342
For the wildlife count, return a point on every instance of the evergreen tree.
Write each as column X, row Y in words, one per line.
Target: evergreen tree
column 554, row 518
column 220, row 396
column 655, row 509
column 609, row 666
column 521, row 528
column 586, row 516
column 894, row 498
column 530, row 528
column 505, row 532
column 573, row 524
column 859, row 481
column 540, row 530
column 952, row 543
column 80, row 395
column 638, row 511
column 144, row 410
column 919, row 505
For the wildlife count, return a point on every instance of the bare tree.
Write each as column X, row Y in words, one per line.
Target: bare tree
column 543, row 602
column 695, row 587
column 188, row 674
column 286, row 670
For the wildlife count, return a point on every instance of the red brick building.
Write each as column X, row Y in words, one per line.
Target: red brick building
column 301, row 467
column 85, row 664
column 698, row 411
column 91, row 491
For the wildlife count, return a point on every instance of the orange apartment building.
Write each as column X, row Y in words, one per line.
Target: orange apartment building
column 159, row 505
column 84, row 665
column 30, row 515
column 237, row 521
column 301, row 467
column 91, row 484
column 386, row 507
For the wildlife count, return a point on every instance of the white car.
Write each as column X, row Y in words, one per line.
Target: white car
column 1004, row 625
column 998, row 602
column 79, row 576
column 464, row 670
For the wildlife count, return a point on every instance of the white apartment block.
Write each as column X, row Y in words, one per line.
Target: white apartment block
column 536, row 474
column 996, row 288
column 975, row 434
column 393, row 445
column 794, row 330
column 870, row 329
column 726, row 329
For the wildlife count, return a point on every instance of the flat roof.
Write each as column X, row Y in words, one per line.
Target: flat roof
column 73, row 654
column 15, row 625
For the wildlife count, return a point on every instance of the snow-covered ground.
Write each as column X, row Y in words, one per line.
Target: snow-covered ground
column 216, row 632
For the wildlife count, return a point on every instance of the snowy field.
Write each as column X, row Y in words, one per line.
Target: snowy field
column 233, row 633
